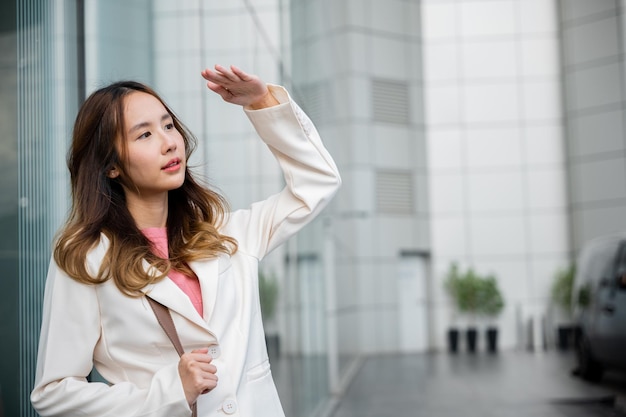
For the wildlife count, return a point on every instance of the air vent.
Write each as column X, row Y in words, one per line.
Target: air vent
column 390, row 101
column 394, row 192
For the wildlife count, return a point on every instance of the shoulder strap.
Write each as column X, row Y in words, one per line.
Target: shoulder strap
column 164, row 318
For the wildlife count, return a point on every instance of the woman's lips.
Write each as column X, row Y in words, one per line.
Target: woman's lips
column 172, row 165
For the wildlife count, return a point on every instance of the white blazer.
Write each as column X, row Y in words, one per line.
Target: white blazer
column 96, row 325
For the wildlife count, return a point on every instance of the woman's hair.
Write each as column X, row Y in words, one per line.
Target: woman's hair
column 195, row 213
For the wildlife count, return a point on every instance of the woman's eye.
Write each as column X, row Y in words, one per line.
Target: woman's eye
column 144, row 135
column 169, row 126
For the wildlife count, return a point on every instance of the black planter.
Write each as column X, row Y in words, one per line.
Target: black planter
column 492, row 339
column 453, row 340
column 470, row 337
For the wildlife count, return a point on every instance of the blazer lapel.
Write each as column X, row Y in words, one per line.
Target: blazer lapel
column 208, row 272
column 171, row 296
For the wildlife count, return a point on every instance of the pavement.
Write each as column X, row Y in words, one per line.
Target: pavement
column 505, row 384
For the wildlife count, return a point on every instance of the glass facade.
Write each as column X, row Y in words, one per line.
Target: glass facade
column 10, row 385
column 46, row 94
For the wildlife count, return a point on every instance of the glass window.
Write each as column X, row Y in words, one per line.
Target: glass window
column 44, row 94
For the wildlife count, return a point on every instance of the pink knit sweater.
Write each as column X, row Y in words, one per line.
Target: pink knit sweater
column 189, row 285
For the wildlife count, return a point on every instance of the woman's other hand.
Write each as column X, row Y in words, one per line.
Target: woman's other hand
column 197, row 373
column 238, row 87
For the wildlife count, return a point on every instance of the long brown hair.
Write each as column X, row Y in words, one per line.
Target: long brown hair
column 195, row 213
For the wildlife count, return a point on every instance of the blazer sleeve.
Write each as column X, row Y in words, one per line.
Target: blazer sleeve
column 69, row 333
column 311, row 178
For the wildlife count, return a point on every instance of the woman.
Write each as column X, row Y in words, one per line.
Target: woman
column 141, row 226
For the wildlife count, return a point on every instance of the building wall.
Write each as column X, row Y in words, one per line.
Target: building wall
column 357, row 65
column 118, row 42
column 496, row 161
column 593, row 48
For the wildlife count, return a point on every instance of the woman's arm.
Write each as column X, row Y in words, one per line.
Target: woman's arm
column 310, row 173
column 71, row 328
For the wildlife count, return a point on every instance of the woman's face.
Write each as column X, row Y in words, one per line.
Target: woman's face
column 155, row 150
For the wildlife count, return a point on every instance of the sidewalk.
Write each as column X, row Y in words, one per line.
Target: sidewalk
column 508, row 384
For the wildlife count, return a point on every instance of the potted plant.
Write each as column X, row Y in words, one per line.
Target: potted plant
column 561, row 295
column 475, row 295
column 450, row 286
column 464, row 288
column 491, row 305
column 268, row 294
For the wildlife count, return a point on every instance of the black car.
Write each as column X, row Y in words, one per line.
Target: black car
column 600, row 306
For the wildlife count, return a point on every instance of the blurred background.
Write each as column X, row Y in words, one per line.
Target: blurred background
column 480, row 138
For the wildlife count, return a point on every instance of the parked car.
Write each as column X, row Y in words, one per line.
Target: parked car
column 600, row 306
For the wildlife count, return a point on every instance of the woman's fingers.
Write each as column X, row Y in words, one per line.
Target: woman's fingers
column 216, row 88
column 227, row 73
column 235, row 85
column 243, row 76
column 216, row 77
column 218, row 84
column 227, row 77
column 197, row 373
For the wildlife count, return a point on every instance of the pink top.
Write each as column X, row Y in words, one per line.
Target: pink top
column 189, row 285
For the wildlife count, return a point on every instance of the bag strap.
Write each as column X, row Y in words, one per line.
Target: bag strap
column 164, row 317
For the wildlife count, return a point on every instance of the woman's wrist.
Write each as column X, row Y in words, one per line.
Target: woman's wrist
column 268, row 100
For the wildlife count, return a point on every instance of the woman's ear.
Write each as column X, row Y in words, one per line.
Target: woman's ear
column 113, row 173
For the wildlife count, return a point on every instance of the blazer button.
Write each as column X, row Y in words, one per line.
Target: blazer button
column 229, row 406
column 215, row 351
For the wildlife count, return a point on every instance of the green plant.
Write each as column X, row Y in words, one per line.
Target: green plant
column 464, row 289
column 491, row 300
column 562, row 288
column 268, row 293
column 474, row 294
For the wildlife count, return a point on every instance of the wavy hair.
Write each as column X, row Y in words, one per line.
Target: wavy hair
column 195, row 213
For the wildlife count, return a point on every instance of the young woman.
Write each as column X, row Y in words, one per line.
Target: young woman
column 141, row 225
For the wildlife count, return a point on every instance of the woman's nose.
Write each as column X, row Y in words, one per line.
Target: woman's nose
column 169, row 143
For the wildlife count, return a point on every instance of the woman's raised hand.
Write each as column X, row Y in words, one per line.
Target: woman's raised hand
column 197, row 373
column 237, row 87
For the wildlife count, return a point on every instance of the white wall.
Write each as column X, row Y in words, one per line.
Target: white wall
column 495, row 149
